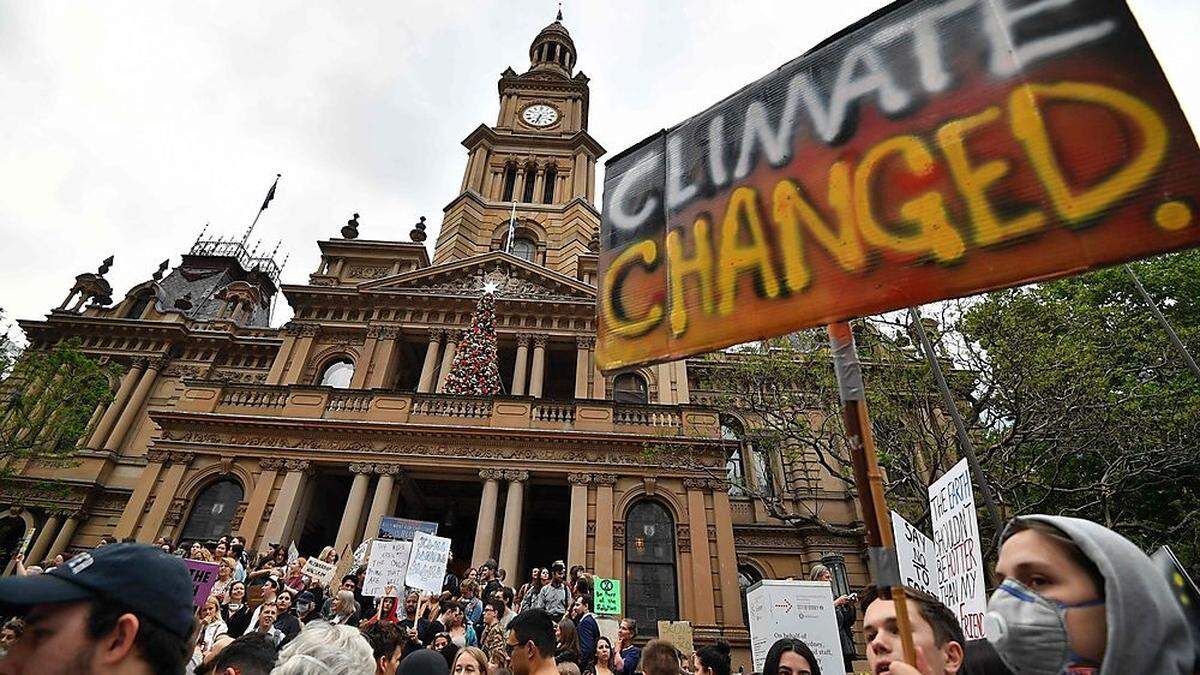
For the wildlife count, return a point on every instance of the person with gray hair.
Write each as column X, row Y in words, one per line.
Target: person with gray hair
column 843, row 607
column 324, row 649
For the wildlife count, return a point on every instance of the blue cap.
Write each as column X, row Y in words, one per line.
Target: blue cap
column 151, row 583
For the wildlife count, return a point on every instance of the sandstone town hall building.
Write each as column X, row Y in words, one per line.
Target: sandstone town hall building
column 313, row 431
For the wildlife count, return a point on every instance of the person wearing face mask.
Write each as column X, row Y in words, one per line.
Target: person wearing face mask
column 1076, row 597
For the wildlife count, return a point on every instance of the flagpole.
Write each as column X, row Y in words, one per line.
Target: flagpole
column 1162, row 320
column 512, row 227
column 868, row 480
column 270, row 195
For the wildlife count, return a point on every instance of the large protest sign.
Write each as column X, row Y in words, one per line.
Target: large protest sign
column 797, row 609
column 607, row 599
column 319, row 570
column 427, row 566
column 391, row 527
column 917, row 555
column 959, row 559
column 388, row 566
column 204, row 575
column 939, row 149
column 678, row 633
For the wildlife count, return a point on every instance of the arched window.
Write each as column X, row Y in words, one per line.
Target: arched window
column 213, row 511
column 530, row 179
column 548, row 191
column 630, row 388
column 138, row 307
column 524, row 247
column 510, row 181
column 748, row 575
column 337, row 374
column 650, row 593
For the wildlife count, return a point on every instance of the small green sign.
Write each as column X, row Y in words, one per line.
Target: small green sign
column 607, row 597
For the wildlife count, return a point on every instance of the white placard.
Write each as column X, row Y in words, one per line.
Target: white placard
column 293, row 553
column 388, row 565
column 917, row 555
column 319, row 570
column 959, row 558
column 427, row 566
column 795, row 609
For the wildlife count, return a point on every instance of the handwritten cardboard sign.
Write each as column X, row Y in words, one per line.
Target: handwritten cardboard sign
column 679, row 634
column 388, row 565
column 940, row 149
column 959, row 558
column 917, row 556
column 319, row 570
column 204, row 575
column 607, row 597
column 427, row 566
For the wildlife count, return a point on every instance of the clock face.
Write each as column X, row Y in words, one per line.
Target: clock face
column 540, row 115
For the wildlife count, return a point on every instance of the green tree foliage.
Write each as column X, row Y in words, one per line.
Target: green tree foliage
column 47, row 398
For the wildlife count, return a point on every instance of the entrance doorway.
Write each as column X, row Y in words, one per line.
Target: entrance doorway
column 544, row 534
column 12, row 531
column 329, row 494
column 452, row 504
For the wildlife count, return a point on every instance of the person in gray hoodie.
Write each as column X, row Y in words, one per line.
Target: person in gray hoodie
column 1076, row 597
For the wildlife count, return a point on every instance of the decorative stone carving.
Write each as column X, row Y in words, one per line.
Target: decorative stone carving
column 683, row 535
column 175, row 511
column 159, row 363
column 298, row 465
column 183, row 370
column 509, row 283
column 585, row 342
column 706, row 484
column 362, row 468
column 608, row 479
column 271, row 463
column 158, row 456
column 539, row 340
column 365, row 272
column 516, row 476
column 383, row 332
column 292, row 328
column 140, row 362
column 309, row 330
column 523, row 339
column 712, row 532
column 387, row 469
column 619, row 535
column 238, row 516
column 579, row 478
column 437, row 334
column 491, row 474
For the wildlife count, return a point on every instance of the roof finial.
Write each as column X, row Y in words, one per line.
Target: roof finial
column 559, row 17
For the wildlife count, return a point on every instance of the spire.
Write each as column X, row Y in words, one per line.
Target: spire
column 559, row 17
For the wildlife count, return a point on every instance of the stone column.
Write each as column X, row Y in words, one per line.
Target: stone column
column 521, row 368
column 604, row 523
column 284, row 510
column 452, row 338
column 722, row 532
column 44, row 538
column 579, row 176
column 133, row 407
column 348, row 527
column 382, row 499
column 538, row 372
column 583, row 348
column 384, row 358
column 252, row 520
column 100, row 434
column 510, row 537
column 290, row 332
column 577, row 529
column 705, row 610
column 136, row 505
column 63, row 540
column 176, row 464
column 599, row 384
column 519, row 185
column 425, row 385
column 362, row 367
column 485, row 528
column 299, row 356
column 539, row 184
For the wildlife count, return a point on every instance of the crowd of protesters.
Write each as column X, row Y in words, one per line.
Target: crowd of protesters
column 1071, row 597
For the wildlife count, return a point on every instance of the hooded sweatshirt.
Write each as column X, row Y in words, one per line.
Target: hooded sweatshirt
column 1147, row 631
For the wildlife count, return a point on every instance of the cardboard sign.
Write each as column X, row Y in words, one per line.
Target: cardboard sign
column 204, row 575
column 959, row 558
column 678, row 633
column 795, row 609
column 940, row 149
column 388, row 565
column 608, row 629
column 917, row 554
column 427, row 566
column 607, row 598
column 293, row 553
column 404, row 529
column 320, row 571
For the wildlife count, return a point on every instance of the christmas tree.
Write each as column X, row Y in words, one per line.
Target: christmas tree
column 475, row 371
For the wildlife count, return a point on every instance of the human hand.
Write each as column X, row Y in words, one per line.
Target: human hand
column 901, row 668
column 20, row 557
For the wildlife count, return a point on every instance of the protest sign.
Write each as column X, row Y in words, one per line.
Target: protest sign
column 916, row 553
column 608, row 597
column 319, row 570
column 391, row 527
column 959, row 560
column 427, row 566
column 608, row 629
column 795, row 609
column 388, row 565
column 936, row 150
column 678, row 633
column 204, row 575
column 293, row 553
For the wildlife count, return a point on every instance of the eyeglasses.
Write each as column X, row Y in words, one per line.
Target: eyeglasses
column 510, row 648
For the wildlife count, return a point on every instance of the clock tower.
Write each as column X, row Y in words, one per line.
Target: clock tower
column 540, row 158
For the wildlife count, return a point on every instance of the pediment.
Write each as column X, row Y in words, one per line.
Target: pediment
column 513, row 277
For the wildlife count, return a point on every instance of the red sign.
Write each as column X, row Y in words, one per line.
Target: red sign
column 935, row 150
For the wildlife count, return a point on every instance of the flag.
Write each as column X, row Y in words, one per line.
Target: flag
column 270, row 195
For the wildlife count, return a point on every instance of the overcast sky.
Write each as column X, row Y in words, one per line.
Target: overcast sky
column 127, row 126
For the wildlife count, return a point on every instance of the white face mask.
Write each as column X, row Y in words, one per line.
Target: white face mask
column 1029, row 631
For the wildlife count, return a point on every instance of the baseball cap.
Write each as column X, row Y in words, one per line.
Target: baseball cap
column 151, row 583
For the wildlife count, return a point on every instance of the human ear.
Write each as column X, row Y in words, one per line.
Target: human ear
column 118, row 644
column 953, row 655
